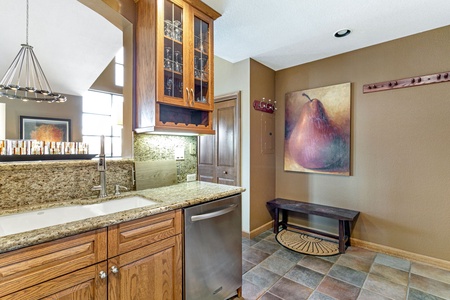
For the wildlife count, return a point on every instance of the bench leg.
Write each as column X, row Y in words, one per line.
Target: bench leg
column 347, row 232
column 276, row 219
column 284, row 222
column 341, row 236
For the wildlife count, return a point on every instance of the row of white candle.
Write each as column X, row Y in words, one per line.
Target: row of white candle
column 33, row 147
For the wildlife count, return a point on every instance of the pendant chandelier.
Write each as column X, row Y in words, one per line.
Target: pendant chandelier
column 25, row 80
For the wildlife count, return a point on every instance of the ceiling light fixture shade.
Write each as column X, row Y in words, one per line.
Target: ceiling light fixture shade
column 25, row 80
column 342, row 32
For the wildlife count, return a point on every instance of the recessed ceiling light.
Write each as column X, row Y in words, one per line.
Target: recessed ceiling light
column 342, row 32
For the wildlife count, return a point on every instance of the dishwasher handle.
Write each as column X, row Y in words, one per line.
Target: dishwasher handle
column 214, row 214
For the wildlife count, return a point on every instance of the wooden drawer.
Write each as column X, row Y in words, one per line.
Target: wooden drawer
column 29, row 266
column 82, row 284
column 138, row 233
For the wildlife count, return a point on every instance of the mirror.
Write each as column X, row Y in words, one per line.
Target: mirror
column 73, row 48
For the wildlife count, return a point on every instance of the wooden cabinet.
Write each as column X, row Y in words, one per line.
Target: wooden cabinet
column 146, row 258
column 84, row 284
column 140, row 259
column 174, row 66
column 150, row 272
column 29, row 266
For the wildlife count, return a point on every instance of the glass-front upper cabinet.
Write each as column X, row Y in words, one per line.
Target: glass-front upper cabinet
column 184, row 65
column 201, row 63
column 173, row 54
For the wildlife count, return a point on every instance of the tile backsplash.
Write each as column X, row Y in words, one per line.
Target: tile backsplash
column 149, row 147
column 35, row 183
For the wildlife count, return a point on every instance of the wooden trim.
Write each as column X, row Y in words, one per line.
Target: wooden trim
column 436, row 262
column 407, row 82
column 257, row 231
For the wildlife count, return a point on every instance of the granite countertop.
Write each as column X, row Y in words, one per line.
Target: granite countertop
column 167, row 198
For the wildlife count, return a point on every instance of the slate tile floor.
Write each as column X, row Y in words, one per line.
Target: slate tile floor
column 272, row 272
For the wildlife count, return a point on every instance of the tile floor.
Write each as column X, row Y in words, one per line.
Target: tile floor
column 272, row 272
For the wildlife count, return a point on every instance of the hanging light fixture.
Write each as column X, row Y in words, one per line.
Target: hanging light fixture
column 25, row 79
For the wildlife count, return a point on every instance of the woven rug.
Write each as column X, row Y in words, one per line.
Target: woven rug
column 307, row 243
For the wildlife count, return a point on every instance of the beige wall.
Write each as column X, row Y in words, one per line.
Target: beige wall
column 106, row 82
column 230, row 78
column 262, row 163
column 400, row 144
column 69, row 110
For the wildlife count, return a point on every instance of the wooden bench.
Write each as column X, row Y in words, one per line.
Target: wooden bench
column 344, row 216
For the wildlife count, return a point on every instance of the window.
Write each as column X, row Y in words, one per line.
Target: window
column 102, row 115
column 119, row 71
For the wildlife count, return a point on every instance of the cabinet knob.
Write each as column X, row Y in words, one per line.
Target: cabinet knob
column 102, row 274
column 114, row 270
column 225, row 172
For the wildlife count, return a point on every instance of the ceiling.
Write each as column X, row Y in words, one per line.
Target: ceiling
column 72, row 43
column 75, row 44
column 286, row 33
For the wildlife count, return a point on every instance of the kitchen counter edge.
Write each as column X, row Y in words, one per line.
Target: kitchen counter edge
column 168, row 198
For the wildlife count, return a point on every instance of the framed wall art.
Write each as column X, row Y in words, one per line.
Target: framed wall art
column 45, row 129
column 317, row 130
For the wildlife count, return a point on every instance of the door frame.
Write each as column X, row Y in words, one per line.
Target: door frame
column 237, row 137
column 237, row 119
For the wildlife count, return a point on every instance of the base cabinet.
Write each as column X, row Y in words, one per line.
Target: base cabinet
column 84, row 284
column 139, row 260
column 151, row 272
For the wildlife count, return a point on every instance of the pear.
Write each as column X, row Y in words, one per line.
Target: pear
column 316, row 142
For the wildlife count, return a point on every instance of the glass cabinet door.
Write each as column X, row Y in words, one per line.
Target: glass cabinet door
column 201, row 63
column 173, row 51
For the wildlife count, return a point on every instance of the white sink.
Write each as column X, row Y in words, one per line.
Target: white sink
column 113, row 206
column 21, row 222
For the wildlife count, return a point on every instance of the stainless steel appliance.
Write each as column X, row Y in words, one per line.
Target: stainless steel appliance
column 213, row 249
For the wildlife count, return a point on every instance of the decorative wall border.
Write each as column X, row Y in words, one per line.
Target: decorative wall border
column 407, row 82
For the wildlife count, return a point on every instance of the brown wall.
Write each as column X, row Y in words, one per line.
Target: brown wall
column 262, row 165
column 400, row 144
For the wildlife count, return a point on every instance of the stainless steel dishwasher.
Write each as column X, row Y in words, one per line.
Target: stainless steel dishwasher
column 213, row 249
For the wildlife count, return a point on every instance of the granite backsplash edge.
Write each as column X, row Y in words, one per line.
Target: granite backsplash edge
column 34, row 183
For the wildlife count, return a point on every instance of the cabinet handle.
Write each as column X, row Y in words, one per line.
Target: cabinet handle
column 114, row 270
column 102, row 274
column 192, row 102
column 188, row 96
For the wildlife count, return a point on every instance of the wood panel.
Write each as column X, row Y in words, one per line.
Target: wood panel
column 25, row 267
column 134, row 234
column 150, row 272
column 145, row 45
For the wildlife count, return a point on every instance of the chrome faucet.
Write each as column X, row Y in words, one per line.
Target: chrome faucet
column 102, row 170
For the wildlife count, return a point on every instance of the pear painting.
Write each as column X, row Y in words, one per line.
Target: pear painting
column 317, row 131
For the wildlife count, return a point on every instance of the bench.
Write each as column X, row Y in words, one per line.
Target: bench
column 344, row 216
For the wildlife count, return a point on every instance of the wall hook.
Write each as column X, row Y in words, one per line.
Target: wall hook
column 265, row 106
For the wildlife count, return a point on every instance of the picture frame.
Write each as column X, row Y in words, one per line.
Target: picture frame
column 45, row 129
column 318, row 130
